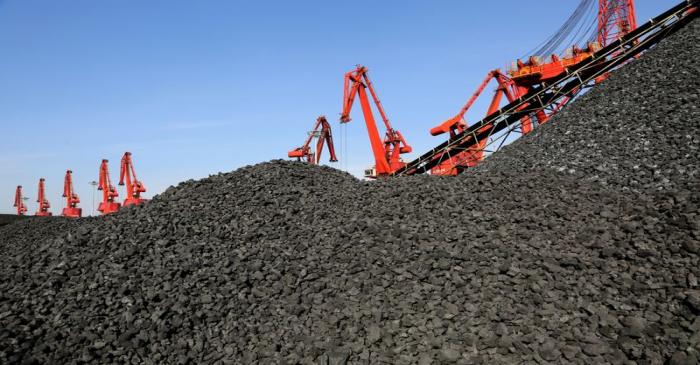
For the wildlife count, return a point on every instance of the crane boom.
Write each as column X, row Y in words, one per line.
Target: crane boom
column 127, row 176
column 109, row 193
column 71, row 209
column 387, row 152
column 19, row 201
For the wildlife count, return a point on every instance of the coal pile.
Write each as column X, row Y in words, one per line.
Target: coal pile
column 6, row 219
column 519, row 261
column 638, row 130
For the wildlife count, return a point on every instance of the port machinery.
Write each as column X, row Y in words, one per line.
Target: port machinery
column 387, row 151
column 547, row 96
column 72, row 200
column 535, row 88
column 322, row 133
column 43, row 210
column 127, row 177
column 613, row 19
column 19, row 201
column 108, row 204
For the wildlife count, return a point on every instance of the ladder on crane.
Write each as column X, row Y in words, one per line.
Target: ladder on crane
column 495, row 128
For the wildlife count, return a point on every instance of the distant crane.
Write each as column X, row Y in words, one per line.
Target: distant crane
column 322, row 132
column 19, row 201
column 387, row 152
column 127, row 176
column 44, row 205
column 71, row 210
column 109, row 192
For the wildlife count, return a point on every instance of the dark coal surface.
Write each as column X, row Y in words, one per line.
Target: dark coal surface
column 638, row 130
column 6, row 219
column 283, row 262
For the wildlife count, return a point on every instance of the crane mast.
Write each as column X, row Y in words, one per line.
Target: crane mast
column 616, row 18
column 19, row 201
column 44, row 205
column 322, row 132
column 71, row 209
column 127, row 176
column 559, row 89
column 387, row 152
column 109, row 193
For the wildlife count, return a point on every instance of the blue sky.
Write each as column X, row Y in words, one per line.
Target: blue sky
column 192, row 88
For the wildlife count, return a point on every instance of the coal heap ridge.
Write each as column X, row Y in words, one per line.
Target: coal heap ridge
column 637, row 131
column 577, row 244
column 9, row 218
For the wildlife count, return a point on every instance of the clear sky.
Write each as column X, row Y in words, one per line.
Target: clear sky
column 193, row 88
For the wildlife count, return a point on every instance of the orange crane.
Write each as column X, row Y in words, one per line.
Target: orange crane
column 321, row 131
column 44, row 205
column 615, row 18
column 109, row 192
column 558, row 90
column 71, row 210
column 19, row 201
column 457, row 124
column 387, row 152
column 134, row 187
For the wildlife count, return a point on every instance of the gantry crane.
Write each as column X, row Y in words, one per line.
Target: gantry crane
column 109, row 192
column 44, row 205
column 387, row 152
column 322, row 132
column 127, row 176
column 615, row 19
column 71, row 209
column 19, row 201
column 551, row 95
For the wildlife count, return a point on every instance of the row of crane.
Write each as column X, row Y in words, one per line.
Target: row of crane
column 127, row 177
column 615, row 19
column 535, row 89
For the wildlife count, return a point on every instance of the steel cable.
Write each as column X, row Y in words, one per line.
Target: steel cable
column 570, row 30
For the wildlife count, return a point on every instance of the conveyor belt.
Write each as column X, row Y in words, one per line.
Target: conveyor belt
column 549, row 96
